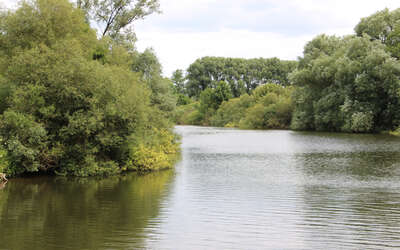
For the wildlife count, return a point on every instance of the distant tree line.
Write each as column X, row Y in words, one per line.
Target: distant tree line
column 241, row 75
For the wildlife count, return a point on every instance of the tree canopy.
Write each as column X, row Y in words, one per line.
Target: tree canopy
column 242, row 75
column 384, row 26
column 346, row 84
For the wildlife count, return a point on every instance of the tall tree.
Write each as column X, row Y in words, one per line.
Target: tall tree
column 179, row 81
column 346, row 84
column 115, row 15
column 384, row 26
column 242, row 75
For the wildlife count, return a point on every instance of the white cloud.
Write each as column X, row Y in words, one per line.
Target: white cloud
column 8, row 4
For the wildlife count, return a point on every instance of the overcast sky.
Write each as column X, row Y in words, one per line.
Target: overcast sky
column 190, row 29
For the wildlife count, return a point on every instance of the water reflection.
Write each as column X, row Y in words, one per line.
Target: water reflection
column 48, row 213
column 3, row 184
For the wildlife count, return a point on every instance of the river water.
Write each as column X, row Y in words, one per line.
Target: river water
column 232, row 189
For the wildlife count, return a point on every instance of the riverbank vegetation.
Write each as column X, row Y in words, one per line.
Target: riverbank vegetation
column 268, row 106
column 342, row 84
column 76, row 104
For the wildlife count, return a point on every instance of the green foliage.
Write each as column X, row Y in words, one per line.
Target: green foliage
column 346, row 84
column 183, row 100
column 178, row 80
column 269, row 106
column 4, row 161
column 272, row 109
column 211, row 99
column 162, row 95
column 242, row 75
column 46, row 22
column 231, row 112
column 188, row 114
column 383, row 26
column 362, row 122
column 158, row 153
column 63, row 112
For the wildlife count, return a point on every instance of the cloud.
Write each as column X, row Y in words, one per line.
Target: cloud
column 9, row 4
column 289, row 17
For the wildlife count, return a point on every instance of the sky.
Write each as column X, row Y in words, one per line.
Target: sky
column 189, row 29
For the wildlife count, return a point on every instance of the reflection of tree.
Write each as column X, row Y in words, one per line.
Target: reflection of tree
column 81, row 213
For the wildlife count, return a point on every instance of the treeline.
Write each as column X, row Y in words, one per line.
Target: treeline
column 344, row 84
column 72, row 103
column 242, row 75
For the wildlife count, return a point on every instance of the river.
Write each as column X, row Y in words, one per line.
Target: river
column 232, row 189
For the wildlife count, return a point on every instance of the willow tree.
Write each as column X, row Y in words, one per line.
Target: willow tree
column 346, row 84
column 384, row 26
column 115, row 15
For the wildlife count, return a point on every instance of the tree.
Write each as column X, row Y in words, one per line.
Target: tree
column 147, row 64
column 115, row 15
column 179, row 81
column 242, row 75
column 384, row 26
column 346, row 84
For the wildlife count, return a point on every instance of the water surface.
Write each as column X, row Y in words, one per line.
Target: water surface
column 233, row 189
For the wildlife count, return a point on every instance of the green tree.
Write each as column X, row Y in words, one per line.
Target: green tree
column 115, row 15
column 179, row 81
column 272, row 108
column 232, row 111
column 147, row 64
column 242, row 75
column 384, row 26
column 346, row 84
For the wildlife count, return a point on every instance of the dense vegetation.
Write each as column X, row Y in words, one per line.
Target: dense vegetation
column 346, row 84
column 242, row 75
column 73, row 104
column 269, row 106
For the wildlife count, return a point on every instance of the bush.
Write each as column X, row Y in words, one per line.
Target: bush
column 188, row 114
column 232, row 111
column 159, row 153
column 362, row 122
column 270, row 106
